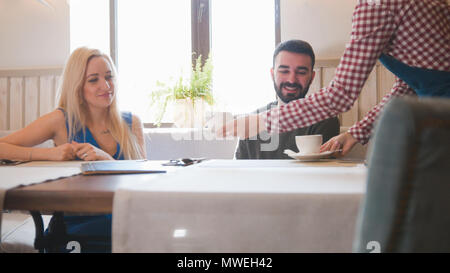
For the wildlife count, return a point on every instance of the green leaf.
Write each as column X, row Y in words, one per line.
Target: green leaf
column 199, row 85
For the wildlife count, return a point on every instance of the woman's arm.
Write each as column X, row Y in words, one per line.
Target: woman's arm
column 19, row 153
column 13, row 152
column 18, row 145
column 49, row 126
column 138, row 131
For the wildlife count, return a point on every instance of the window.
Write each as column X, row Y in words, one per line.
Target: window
column 154, row 41
column 154, row 44
column 243, row 41
column 89, row 24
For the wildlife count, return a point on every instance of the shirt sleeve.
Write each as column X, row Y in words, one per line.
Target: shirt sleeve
column 372, row 27
column 362, row 130
column 327, row 128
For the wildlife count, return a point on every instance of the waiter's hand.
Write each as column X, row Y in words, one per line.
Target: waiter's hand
column 344, row 142
column 244, row 127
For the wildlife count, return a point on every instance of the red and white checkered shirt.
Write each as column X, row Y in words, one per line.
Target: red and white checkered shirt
column 415, row 32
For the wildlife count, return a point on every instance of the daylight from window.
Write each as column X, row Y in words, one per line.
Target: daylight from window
column 154, row 44
column 243, row 40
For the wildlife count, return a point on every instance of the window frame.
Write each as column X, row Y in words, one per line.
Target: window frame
column 200, row 34
column 200, row 29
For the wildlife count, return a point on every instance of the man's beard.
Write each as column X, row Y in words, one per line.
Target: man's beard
column 291, row 97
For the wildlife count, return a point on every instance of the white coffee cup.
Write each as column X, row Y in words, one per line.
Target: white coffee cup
column 309, row 144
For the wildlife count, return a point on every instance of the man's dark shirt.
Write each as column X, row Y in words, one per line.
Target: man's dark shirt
column 252, row 149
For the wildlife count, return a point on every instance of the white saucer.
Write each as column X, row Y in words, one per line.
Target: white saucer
column 308, row 157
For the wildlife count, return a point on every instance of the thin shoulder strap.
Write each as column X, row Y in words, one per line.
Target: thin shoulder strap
column 64, row 112
column 128, row 117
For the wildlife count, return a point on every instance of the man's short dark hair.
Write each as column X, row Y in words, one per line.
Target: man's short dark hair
column 295, row 46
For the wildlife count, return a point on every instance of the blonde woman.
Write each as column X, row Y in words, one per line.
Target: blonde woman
column 87, row 125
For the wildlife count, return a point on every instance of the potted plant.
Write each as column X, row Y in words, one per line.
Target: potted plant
column 189, row 95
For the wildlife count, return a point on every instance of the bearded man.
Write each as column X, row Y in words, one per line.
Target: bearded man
column 292, row 74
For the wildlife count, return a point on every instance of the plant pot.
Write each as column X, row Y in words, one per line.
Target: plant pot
column 188, row 114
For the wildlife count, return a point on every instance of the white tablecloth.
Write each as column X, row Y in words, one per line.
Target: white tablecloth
column 242, row 206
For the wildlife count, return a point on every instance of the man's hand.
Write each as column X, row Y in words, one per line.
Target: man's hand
column 344, row 141
column 88, row 152
column 244, row 127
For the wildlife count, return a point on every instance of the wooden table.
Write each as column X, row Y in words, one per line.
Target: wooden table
column 77, row 194
column 80, row 194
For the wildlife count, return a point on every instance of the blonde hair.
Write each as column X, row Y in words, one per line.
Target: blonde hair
column 70, row 96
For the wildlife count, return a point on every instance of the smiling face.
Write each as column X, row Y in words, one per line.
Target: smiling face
column 292, row 75
column 98, row 88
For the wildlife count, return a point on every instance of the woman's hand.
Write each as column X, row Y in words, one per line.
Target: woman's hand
column 88, row 152
column 62, row 152
column 344, row 142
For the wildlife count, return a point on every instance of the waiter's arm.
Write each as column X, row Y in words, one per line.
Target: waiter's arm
column 372, row 28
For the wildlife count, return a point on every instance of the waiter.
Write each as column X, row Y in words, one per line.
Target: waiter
column 411, row 38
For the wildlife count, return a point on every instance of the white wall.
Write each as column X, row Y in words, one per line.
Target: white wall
column 325, row 24
column 32, row 35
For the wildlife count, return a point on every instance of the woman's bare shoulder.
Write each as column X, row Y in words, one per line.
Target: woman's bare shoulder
column 54, row 121
column 56, row 115
column 136, row 125
column 136, row 120
column 44, row 128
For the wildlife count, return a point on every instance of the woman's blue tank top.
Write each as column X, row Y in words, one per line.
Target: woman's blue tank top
column 98, row 226
column 87, row 136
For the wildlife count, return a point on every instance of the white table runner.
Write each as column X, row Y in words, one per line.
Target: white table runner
column 31, row 173
column 238, row 206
